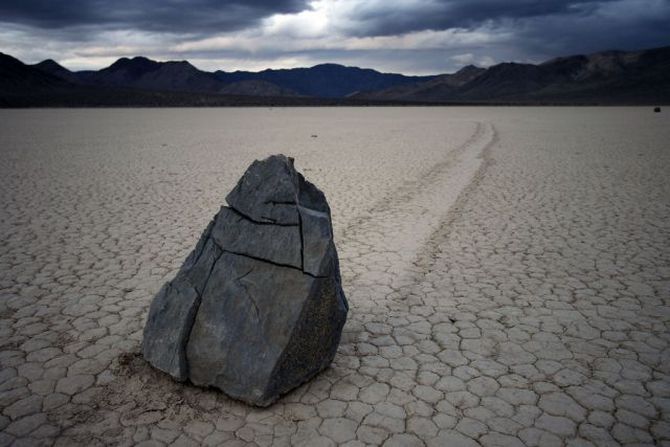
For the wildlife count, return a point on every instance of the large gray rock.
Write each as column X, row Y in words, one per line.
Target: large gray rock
column 257, row 308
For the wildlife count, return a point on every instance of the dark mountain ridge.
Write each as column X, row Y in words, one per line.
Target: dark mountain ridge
column 15, row 76
column 52, row 67
column 605, row 78
column 24, row 85
column 256, row 88
column 146, row 74
column 324, row 80
column 440, row 86
column 609, row 77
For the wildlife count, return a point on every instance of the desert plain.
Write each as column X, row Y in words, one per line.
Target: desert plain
column 507, row 271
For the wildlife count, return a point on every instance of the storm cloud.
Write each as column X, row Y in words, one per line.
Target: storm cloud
column 191, row 16
column 388, row 18
column 410, row 36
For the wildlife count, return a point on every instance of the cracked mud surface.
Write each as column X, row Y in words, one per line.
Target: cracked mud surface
column 507, row 270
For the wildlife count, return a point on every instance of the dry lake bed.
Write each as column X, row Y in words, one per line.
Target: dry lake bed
column 508, row 272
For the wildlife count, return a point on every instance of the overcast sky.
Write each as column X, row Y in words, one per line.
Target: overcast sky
column 406, row 36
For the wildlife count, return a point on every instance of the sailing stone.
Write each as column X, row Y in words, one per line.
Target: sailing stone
column 257, row 308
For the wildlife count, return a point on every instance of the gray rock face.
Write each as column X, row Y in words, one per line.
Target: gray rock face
column 257, row 308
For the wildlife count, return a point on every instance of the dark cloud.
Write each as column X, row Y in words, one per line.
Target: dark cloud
column 188, row 16
column 524, row 30
column 620, row 25
column 381, row 19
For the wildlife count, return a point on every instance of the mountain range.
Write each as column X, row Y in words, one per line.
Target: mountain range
column 610, row 77
column 322, row 81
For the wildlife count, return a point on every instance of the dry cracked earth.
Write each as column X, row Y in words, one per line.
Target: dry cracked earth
column 508, row 272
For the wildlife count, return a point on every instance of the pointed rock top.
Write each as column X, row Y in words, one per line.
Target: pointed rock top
column 271, row 190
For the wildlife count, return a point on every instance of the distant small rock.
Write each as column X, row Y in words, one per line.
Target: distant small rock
column 257, row 308
column 657, row 109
